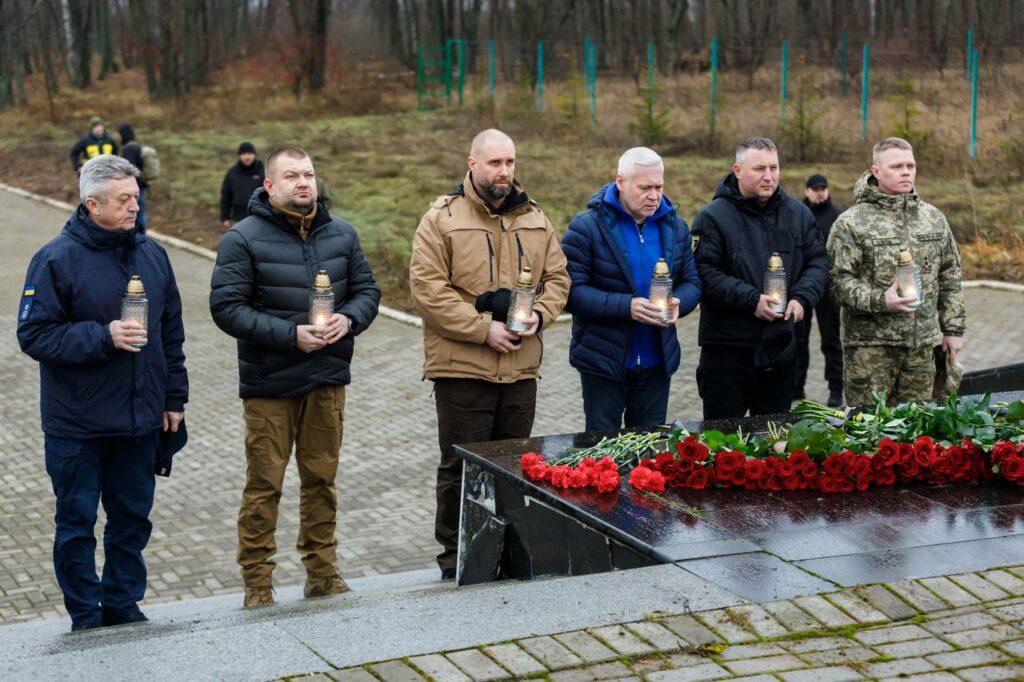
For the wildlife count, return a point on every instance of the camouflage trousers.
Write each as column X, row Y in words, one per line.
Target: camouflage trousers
column 904, row 374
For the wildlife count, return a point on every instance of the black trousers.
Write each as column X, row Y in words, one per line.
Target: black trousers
column 472, row 411
column 831, row 345
column 730, row 385
column 642, row 398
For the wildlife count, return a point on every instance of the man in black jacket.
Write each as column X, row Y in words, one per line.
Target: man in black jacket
column 747, row 359
column 825, row 212
column 292, row 375
column 241, row 180
column 92, row 144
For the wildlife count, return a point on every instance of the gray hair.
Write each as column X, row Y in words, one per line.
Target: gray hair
column 638, row 156
column 99, row 171
column 762, row 143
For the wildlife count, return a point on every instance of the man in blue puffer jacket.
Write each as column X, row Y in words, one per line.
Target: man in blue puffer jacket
column 625, row 354
column 108, row 388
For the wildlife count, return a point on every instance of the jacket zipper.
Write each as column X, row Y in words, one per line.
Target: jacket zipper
column 519, row 245
column 490, row 257
column 640, row 233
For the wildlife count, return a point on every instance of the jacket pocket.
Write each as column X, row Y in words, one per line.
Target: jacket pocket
column 472, row 259
column 884, row 254
column 928, row 251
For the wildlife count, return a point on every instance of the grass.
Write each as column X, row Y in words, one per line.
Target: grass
column 386, row 162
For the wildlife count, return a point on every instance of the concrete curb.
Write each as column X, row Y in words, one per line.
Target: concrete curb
column 388, row 312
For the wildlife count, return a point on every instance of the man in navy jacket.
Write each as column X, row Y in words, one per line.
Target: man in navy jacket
column 107, row 388
column 748, row 351
column 625, row 354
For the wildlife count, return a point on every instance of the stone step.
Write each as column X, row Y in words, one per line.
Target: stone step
column 383, row 618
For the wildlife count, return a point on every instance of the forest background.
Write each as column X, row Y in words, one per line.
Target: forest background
column 386, row 95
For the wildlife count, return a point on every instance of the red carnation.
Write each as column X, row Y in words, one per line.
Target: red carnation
column 643, row 478
column 606, row 481
column 559, row 475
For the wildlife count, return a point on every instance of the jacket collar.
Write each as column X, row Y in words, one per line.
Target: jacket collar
column 83, row 230
column 729, row 188
column 608, row 222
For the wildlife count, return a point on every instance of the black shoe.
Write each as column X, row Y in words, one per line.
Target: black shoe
column 835, row 397
column 79, row 627
column 447, row 574
column 115, row 618
column 799, row 394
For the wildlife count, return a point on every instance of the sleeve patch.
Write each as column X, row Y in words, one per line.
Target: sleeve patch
column 27, row 297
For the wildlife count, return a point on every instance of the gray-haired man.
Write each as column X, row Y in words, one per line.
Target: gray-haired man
column 108, row 388
column 622, row 346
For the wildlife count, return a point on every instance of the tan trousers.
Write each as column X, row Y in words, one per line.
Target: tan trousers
column 313, row 425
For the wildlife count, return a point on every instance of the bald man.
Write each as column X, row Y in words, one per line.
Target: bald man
column 468, row 252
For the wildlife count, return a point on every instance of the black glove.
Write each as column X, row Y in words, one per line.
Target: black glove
column 496, row 303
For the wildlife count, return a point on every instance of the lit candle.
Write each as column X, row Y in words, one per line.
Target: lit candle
column 661, row 289
column 321, row 302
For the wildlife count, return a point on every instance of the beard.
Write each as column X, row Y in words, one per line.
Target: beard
column 495, row 192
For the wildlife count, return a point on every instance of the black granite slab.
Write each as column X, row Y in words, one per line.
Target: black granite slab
column 758, row 543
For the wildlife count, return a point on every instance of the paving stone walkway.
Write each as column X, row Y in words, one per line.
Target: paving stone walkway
column 386, row 478
column 967, row 627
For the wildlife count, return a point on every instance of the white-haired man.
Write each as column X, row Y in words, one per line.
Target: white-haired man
column 108, row 388
column 621, row 345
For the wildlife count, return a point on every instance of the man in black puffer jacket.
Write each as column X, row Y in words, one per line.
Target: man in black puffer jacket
column 292, row 375
column 747, row 359
column 241, row 180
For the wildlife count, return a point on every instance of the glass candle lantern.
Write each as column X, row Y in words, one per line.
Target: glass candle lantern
column 135, row 305
column 775, row 284
column 661, row 289
column 520, row 305
column 908, row 279
column 321, row 303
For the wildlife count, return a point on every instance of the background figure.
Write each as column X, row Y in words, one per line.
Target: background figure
column 242, row 179
column 889, row 346
column 625, row 352
column 292, row 376
column 467, row 254
column 92, row 144
column 748, row 350
column 132, row 151
column 108, row 387
column 816, row 198
column 323, row 192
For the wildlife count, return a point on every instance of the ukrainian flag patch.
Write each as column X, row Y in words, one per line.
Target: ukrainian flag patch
column 27, row 297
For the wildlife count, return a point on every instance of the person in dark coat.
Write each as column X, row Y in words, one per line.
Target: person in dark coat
column 816, row 198
column 624, row 351
column 292, row 375
column 241, row 180
column 747, row 359
column 108, row 388
column 132, row 150
column 92, row 144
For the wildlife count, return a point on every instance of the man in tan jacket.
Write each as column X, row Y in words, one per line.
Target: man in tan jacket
column 468, row 252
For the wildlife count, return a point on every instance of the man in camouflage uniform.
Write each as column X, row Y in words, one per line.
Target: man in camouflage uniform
column 888, row 346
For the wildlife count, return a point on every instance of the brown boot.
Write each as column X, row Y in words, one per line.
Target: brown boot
column 256, row 597
column 325, row 587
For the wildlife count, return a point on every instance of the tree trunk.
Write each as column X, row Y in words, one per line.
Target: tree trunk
column 318, row 49
column 79, row 16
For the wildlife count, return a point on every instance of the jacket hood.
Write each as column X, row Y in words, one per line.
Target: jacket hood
column 82, row 229
column 608, row 195
column 866, row 191
column 126, row 132
column 729, row 189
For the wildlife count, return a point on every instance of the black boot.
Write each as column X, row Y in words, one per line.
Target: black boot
column 835, row 397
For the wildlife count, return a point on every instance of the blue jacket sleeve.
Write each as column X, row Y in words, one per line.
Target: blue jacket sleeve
column 231, row 292
column 814, row 278
column 173, row 340
column 710, row 258
column 687, row 285
column 586, row 300
column 363, row 292
column 44, row 332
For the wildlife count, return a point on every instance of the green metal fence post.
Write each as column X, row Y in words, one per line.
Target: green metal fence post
column 448, row 71
column 974, row 104
column 461, row 44
column 714, row 83
column 419, row 78
column 593, row 82
column 490, row 68
column 784, row 86
column 864, row 94
column 540, row 75
column 842, row 63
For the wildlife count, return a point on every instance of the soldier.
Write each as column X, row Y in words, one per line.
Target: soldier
column 888, row 345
